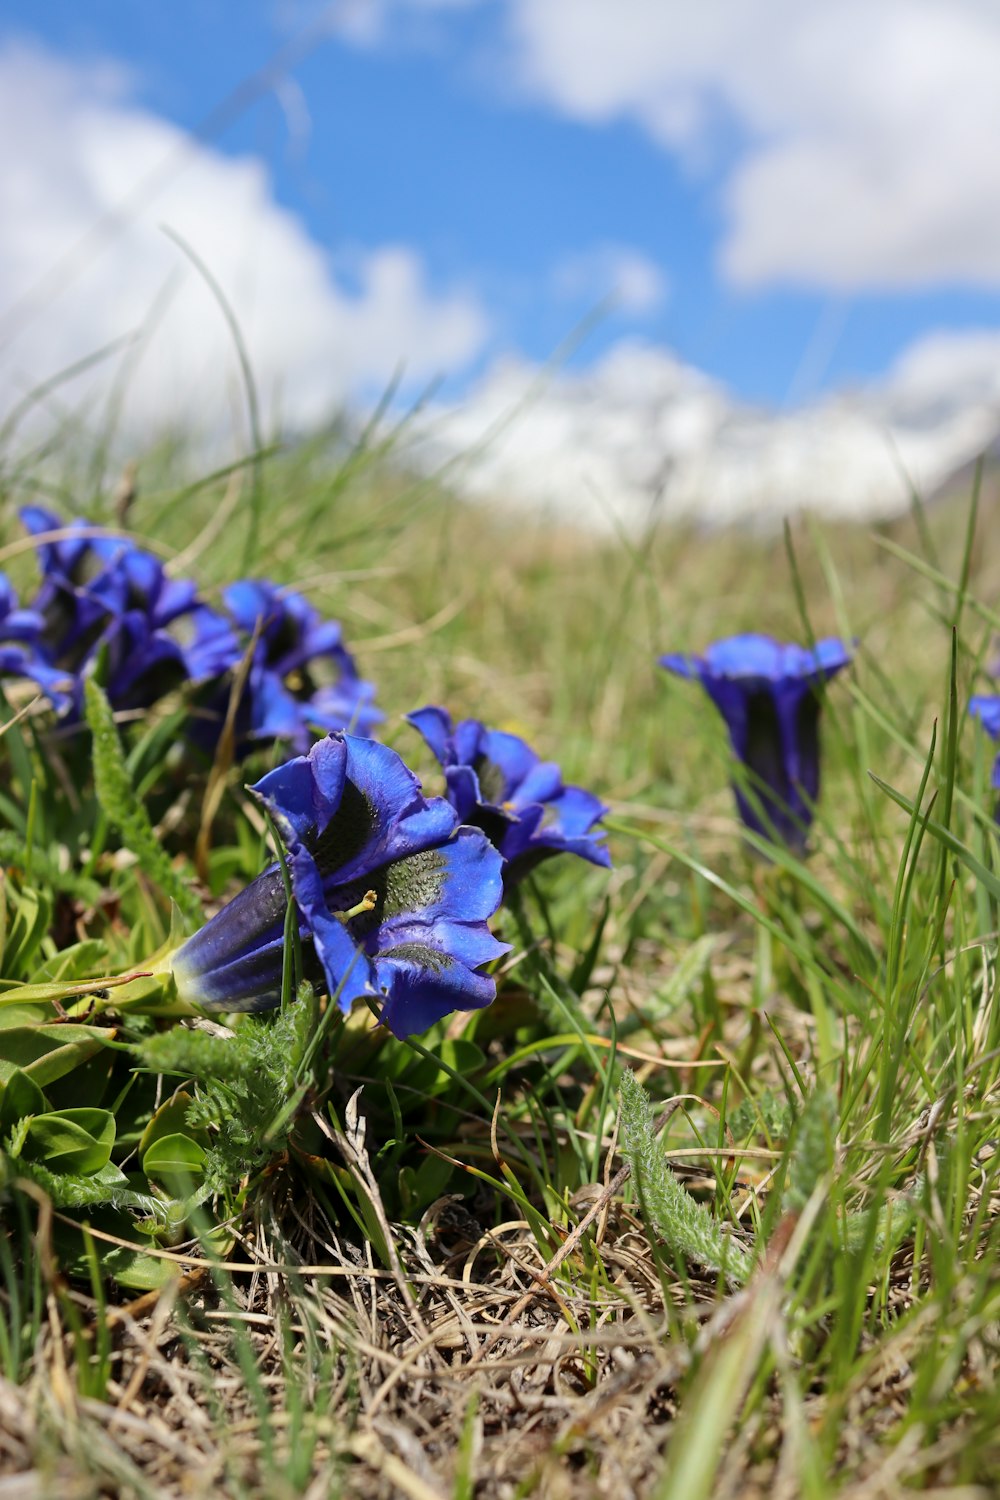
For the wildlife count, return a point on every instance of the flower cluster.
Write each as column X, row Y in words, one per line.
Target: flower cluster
column 392, row 890
column 102, row 598
column 99, row 593
column 769, row 695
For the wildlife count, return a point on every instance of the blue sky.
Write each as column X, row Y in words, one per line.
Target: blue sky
column 771, row 202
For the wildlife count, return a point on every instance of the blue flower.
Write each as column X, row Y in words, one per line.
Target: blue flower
column 986, row 708
column 103, row 593
column 16, row 624
column 496, row 782
column 301, row 678
column 19, row 657
column 768, row 694
column 392, row 895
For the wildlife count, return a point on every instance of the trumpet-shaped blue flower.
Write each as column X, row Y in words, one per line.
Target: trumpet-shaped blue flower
column 392, row 895
column 302, row 678
column 496, row 782
column 769, row 695
column 102, row 592
column 986, row 708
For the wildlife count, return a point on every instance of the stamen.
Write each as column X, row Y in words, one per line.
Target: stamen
column 368, row 902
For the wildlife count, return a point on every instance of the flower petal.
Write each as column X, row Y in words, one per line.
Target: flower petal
column 449, row 890
column 234, row 961
column 421, row 985
column 515, row 761
column 986, row 708
column 498, row 783
column 401, row 820
column 435, row 725
column 304, row 797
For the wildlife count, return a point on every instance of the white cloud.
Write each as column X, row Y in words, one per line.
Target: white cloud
column 962, row 368
column 81, row 149
column 857, row 142
column 629, row 280
column 643, row 432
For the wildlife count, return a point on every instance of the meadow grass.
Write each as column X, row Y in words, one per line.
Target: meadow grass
column 704, row 1204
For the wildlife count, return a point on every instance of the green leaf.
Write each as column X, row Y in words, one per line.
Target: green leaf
column 130, row 1267
column 106, row 1187
column 123, row 809
column 72, row 1140
column 174, row 1159
column 22, row 1015
column 87, row 1083
column 135, row 1269
column 584, row 967
column 683, row 1223
column 419, row 1188
column 169, row 1119
column 133, row 989
column 109, row 1176
column 19, row 1097
column 49, row 1051
column 32, row 916
column 80, row 961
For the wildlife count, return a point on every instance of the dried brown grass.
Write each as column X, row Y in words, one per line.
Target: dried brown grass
column 491, row 1374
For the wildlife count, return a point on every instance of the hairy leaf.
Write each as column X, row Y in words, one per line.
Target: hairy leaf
column 123, row 809
column 685, row 1225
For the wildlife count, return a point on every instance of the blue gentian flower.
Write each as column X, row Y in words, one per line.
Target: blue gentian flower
column 107, row 569
column 146, row 661
column 16, row 624
column 497, row 782
column 75, row 618
column 71, row 556
column 986, row 708
column 768, row 694
column 392, row 895
column 302, row 678
column 104, row 593
column 20, row 630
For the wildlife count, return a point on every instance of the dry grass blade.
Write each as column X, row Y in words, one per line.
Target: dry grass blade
column 573, row 1239
column 350, row 1142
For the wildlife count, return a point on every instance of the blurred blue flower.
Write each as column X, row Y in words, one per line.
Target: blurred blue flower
column 104, row 593
column 497, row 783
column 19, row 633
column 301, row 678
column 392, row 895
column 768, row 694
column 986, row 708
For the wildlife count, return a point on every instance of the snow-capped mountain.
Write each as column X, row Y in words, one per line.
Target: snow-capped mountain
column 641, row 431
